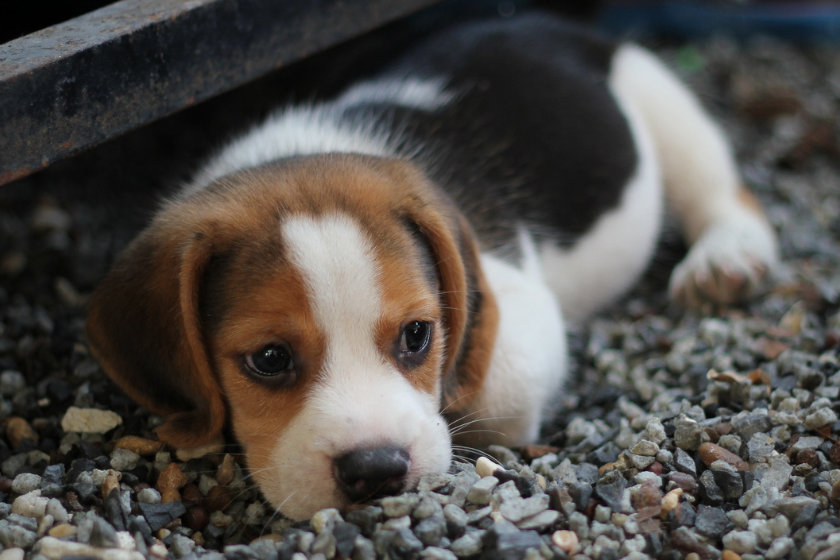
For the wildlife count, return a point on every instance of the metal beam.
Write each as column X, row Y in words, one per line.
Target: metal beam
column 71, row 86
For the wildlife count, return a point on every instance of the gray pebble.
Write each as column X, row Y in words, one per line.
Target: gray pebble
column 740, row 541
column 481, row 491
column 467, row 545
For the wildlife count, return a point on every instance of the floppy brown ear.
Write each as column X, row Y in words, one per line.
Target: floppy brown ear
column 144, row 326
column 470, row 312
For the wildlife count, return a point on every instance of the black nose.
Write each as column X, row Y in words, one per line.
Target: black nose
column 372, row 473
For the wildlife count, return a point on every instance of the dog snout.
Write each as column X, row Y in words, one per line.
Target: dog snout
column 372, row 473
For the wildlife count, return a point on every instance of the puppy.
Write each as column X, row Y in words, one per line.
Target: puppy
column 354, row 279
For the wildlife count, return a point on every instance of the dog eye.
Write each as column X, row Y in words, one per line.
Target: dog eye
column 270, row 360
column 415, row 337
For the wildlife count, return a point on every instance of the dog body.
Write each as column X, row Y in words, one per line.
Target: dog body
column 353, row 280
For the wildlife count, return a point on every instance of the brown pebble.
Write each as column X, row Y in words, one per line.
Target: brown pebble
column 171, row 477
column 685, row 481
column 808, row 457
column 730, row 555
column 6, row 484
column 771, row 349
column 723, row 428
column 711, row 452
column 834, row 453
column 655, row 468
column 227, row 469
column 670, row 501
column 63, row 530
column 713, row 435
column 141, row 446
column 196, row 518
column 218, row 498
column 648, row 495
column 111, row 482
column 192, row 494
column 18, row 430
column 567, row 541
column 531, row 452
column 835, row 491
column 168, row 495
column 198, row 538
column 759, row 376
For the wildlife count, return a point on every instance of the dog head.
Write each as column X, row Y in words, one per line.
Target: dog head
column 325, row 308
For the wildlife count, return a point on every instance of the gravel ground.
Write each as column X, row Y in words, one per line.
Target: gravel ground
column 684, row 436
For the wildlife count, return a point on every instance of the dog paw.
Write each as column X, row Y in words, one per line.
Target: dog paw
column 729, row 263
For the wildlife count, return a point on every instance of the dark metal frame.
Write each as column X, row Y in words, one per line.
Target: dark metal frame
column 71, row 86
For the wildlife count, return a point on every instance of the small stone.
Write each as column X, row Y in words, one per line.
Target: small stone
column 57, row 511
column 516, row 510
column 711, row 521
column 742, row 542
column 325, row 520
column 171, row 478
column 710, row 492
column 726, row 555
column 158, row 515
column 63, row 531
column 481, row 491
column 181, row 546
column 31, row 504
column 485, row 467
column 345, row 538
column 670, row 501
column 141, row 446
column 611, row 493
column 645, row 448
column 467, row 545
column 226, row 471
column 25, row 483
column 18, row 430
column 103, row 534
column 148, row 496
column 778, row 474
column 779, row 548
column 431, row 530
column 540, row 521
column 760, row 446
column 822, row 417
column 456, row 521
column 687, row 434
column 752, row 424
column 567, row 541
column 709, row 453
column 731, row 484
column 655, row 431
column 399, row 506
column 90, row 420
column 685, row 481
column 580, row 493
column 805, row 442
column 685, row 463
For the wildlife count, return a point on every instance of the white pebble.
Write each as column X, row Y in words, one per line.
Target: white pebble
column 485, row 467
column 148, row 496
column 25, row 483
column 31, row 505
column 12, row 554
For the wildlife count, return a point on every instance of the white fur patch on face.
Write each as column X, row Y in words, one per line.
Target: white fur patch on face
column 359, row 399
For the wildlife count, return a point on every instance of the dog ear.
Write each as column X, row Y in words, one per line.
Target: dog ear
column 144, row 326
column 471, row 315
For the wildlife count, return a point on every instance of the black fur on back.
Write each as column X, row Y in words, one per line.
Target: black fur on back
column 534, row 135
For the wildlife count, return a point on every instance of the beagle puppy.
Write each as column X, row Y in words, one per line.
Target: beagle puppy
column 354, row 282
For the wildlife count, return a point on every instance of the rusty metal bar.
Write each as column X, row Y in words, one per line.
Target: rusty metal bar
column 71, row 86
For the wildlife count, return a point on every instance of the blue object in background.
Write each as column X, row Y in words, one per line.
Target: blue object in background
column 795, row 21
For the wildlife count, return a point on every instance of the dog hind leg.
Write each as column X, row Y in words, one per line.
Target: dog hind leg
column 733, row 247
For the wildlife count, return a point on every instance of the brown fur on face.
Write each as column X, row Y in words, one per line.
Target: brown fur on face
column 208, row 282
